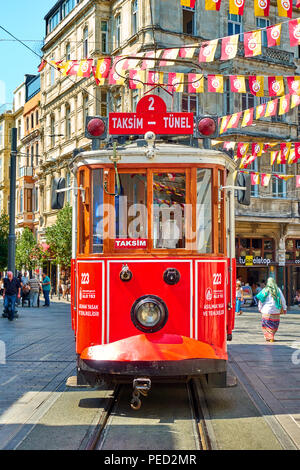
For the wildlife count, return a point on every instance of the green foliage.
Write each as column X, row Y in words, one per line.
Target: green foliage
column 59, row 237
column 4, row 231
column 25, row 245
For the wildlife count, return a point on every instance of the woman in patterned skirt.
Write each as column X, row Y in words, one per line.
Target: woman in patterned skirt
column 271, row 305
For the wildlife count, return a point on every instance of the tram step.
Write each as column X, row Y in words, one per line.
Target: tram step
column 72, row 382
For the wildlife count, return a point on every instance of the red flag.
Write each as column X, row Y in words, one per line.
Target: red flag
column 285, row 8
column 147, row 62
column 73, row 69
column 248, row 117
column 168, row 56
column 261, row 7
column 242, row 149
column 188, row 3
column 236, row 7
column 252, row 43
column 229, row 47
column 276, row 86
column 212, row 5
column 297, row 150
column 208, row 50
column 294, row 31
column 187, row 52
column 42, row 65
column 297, row 181
column 294, row 85
column 256, row 85
column 284, row 151
column 237, row 83
column 215, row 83
column 274, row 35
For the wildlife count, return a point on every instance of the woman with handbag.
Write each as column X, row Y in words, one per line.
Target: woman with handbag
column 271, row 304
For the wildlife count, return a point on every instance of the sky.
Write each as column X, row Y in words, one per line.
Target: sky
column 25, row 20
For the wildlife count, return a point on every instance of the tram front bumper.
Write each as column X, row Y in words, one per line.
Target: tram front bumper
column 156, row 355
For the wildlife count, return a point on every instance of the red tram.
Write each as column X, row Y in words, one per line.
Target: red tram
column 153, row 279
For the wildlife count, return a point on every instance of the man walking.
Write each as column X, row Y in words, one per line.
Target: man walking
column 46, row 286
column 12, row 290
column 34, row 291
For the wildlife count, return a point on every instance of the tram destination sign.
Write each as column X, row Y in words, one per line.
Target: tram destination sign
column 151, row 115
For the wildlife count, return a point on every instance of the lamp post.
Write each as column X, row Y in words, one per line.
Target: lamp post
column 12, row 204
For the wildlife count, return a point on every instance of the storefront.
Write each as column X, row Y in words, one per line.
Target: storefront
column 255, row 259
column 292, row 268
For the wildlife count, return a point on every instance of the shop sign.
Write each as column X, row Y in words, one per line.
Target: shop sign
column 252, row 261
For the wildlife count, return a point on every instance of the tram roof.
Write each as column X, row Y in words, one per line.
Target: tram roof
column 164, row 152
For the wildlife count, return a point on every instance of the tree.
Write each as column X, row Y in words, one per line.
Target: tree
column 59, row 237
column 4, row 231
column 25, row 245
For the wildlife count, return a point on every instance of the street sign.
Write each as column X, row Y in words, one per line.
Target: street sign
column 151, row 115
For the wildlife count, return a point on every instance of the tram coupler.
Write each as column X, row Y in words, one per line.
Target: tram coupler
column 141, row 386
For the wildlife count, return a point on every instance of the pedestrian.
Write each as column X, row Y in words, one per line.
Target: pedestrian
column 20, row 281
column 12, row 291
column 239, row 298
column 271, row 304
column 63, row 284
column 34, row 291
column 46, row 286
column 297, row 298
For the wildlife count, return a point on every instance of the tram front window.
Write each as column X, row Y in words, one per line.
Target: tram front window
column 97, row 181
column 131, row 206
column 169, row 198
column 204, row 211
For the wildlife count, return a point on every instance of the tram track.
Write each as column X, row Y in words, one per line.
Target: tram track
column 181, row 425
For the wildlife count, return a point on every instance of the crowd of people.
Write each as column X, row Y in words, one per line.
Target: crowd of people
column 25, row 288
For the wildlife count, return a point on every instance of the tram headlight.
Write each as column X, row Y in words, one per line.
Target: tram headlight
column 149, row 314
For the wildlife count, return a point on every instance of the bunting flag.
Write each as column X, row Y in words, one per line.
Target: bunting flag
column 115, row 77
column 130, row 64
column 294, row 32
column 274, row 156
column 147, row 62
column 294, row 85
column 250, row 159
column 65, row 69
column 196, row 83
column 256, row 85
column 243, row 163
column 297, row 150
column 242, row 149
column 215, row 83
column 284, row 104
column 212, row 5
column 285, row 8
column 236, row 7
column 257, row 149
column 224, row 123
column 73, row 69
column 297, row 181
column 175, row 82
column 238, row 83
column 188, row 3
column 252, row 43
column 265, row 179
column 260, row 110
column 271, row 108
column 136, row 79
column 254, row 179
column 155, row 78
column 292, row 156
column 276, row 86
column 42, row 66
column 295, row 101
column 229, row 145
column 274, row 35
column 85, row 68
column 229, row 47
column 285, row 148
column 261, row 7
column 168, row 56
column 102, row 68
column 187, row 52
column 208, row 50
column 234, row 121
column 284, row 177
column 248, row 117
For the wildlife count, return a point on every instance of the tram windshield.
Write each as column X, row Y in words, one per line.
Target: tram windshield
column 165, row 209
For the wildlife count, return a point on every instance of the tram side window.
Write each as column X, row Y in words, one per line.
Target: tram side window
column 131, row 206
column 98, row 223
column 169, row 194
column 204, row 211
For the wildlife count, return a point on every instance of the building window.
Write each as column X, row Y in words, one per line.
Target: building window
column 85, row 43
column 36, row 118
column 19, row 129
column 255, row 187
column 67, row 7
column 85, row 108
column 235, row 25
column 29, row 200
column 68, row 51
column 32, row 156
column 32, row 121
column 52, row 131
column 262, row 23
column 68, row 122
column 188, row 21
column 37, row 154
column 134, row 16
column 279, row 185
column 190, row 102
column 53, row 21
column 104, row 103
column 134, row 100
column 227, row 99
column 21, row 201
column 118, row 30
column 248, row 101
column 52, row 75
column 104, row 37
column 27, row 124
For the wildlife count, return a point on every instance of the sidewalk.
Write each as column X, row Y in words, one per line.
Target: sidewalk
column 271, row 369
